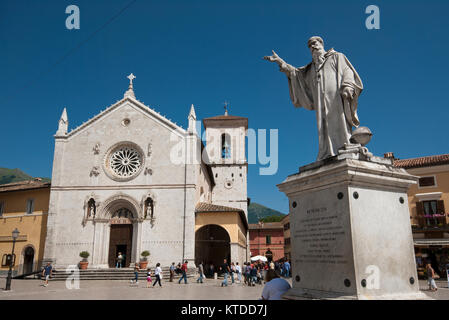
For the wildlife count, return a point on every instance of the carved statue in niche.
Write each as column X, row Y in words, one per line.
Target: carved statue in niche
column 148, row 213
column 91, row 208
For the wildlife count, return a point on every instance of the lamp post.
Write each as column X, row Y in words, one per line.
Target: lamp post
column 15, row 235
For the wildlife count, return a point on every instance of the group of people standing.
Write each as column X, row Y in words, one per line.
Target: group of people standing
column 252, row 272
column 256, row 272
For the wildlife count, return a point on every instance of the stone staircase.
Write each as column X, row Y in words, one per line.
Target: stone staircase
column 117, row 274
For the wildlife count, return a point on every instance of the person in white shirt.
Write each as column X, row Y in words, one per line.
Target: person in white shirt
column 238, row 270
column 158, row 274
column 275, row 287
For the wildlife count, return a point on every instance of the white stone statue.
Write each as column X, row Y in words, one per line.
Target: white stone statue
column 149, row 212
column 329, row 85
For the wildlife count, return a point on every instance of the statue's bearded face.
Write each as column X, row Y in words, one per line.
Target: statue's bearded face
column 317, row 51
column 316, row 48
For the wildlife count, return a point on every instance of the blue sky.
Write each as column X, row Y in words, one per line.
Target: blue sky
column 206, row 52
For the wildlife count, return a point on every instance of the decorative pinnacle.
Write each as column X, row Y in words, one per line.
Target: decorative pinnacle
column 130, row 91
column 64, row 115
column 192, row 112
column 63, row 124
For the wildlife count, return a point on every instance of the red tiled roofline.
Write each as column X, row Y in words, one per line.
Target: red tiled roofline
column 420, row 162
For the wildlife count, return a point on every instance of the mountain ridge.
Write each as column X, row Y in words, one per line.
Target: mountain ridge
column 258, row 211
column 15, row 175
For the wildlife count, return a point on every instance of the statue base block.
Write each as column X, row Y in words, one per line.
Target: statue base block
column 351, row 236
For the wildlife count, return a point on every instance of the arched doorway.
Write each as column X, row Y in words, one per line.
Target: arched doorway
column 28, row 260
column 121, row 237
column 212, row 245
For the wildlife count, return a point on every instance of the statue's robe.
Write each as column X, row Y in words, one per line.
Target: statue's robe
column 319, row 88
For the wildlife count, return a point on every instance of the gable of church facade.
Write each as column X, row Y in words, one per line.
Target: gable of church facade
column 87, row 152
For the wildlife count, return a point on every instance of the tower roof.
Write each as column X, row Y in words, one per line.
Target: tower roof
column 226, row 120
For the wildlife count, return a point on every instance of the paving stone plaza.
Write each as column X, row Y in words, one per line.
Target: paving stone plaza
column 123, row 290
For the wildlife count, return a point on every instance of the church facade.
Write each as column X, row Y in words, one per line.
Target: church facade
column 130, row 180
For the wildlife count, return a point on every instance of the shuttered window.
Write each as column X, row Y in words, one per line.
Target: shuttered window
column 268, row 239
column 30, row 206
column 430, row 207
column 427, row 181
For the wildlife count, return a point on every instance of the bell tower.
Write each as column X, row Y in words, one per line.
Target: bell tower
column 225, row 145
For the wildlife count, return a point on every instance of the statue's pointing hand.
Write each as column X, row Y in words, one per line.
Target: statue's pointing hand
column 283, row 67
column 273, row 58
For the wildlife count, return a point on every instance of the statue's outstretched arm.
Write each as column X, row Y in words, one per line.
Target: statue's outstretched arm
column 283, row 66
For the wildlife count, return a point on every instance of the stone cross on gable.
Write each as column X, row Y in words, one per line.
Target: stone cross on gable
column 130, row 91
column 131, row 77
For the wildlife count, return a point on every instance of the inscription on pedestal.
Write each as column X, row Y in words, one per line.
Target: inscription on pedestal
column 318, row 235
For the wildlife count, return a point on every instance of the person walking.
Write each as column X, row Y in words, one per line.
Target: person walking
column 172, row 271
column 265, row 269
column 274, row 287
column 272, row 265
column 184, row 273
column 287, row 269
column 136, row 274
column 238, row 271
column 226, row 270
column 119, row 260
column 47, row 272
column 253, row 275
column 232, row 272
column 149, row 278
column 158, row 274
column 259, row 273
column 201, row 273
column 431, row 278
column 247, row 270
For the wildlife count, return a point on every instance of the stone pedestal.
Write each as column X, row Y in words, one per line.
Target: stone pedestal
column 351, row 236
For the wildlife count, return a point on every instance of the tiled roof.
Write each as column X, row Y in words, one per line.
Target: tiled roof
column 210, row 120
column 266, row 225
column 422, row 162
column 207, row 207
column 24, row 185
column 226, row 117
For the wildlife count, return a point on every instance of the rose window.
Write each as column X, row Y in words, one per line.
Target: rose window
column 125, row 162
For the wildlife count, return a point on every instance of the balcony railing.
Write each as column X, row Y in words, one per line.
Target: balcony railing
column 433, row 221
